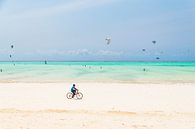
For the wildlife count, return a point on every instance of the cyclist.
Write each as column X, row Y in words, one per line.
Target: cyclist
column 73, row 90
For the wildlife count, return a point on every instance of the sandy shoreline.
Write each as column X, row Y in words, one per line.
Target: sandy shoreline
column 115, row 105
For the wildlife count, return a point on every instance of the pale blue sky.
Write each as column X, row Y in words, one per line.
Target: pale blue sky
column 76, row 29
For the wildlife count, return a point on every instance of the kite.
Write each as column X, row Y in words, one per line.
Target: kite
column 154, row 42
column 108, row 40
column 11, row 54
column 12, row 46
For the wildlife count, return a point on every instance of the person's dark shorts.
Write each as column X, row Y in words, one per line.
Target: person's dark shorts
column 73, row 91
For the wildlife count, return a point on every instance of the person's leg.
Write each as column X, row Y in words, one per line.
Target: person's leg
column 73, row 93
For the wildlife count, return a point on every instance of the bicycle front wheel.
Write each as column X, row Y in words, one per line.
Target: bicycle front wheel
column 79, row 95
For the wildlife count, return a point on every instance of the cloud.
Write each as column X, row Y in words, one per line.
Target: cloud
column 1, row 2
column 80, row 52
column 73, row 6
column 109, row 53
column 50, row 52
column 4, row 51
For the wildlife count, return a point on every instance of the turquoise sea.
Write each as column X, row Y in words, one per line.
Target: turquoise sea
column 106, row 72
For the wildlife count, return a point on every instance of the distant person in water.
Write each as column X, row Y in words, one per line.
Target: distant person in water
column 73, row 90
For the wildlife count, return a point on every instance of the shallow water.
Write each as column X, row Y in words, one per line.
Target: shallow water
column 125, row 72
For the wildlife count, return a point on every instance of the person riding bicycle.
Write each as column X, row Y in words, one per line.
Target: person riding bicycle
column 73, row 90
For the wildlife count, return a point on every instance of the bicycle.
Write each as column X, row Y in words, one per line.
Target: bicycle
column 78, row 95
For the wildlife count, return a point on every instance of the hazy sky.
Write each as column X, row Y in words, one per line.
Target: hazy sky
column 76, row 29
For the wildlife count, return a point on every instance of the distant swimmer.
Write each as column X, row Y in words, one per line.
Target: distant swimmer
column 45, row 62
column 1, row 70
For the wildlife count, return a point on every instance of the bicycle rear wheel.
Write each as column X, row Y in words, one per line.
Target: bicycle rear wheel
column 79, row 95
column 69, row 95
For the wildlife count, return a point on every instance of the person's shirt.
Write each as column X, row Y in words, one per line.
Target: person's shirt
column 73, row 89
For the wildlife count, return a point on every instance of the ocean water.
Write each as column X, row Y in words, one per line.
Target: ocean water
column 105, row 72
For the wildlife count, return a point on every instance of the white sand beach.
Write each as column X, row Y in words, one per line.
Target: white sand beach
column 104, row 106
column 133, row 61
